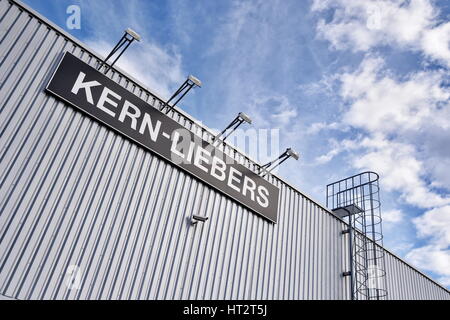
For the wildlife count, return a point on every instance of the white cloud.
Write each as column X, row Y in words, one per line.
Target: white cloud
column 403, row 122
column 399, row 121
column 435, row 224
column 382, row 103
column 392, row 216
column 363, row 25
column 159, row 69
column 337, row 147
column 436, row 43
column 431, row 258
column 445, row 281
column 317, row 127
column 272, row 111
column 400, row 170
column 158, row 66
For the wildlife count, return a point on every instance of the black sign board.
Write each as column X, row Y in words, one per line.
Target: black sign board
column 89, row 90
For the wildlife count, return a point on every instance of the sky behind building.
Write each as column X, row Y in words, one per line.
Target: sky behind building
column 351, row 85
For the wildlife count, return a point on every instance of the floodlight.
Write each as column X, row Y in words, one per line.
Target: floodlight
column 241, row 118
column 128, row 37
column 245, row 117
column 282, row 158
column 197, row 82
column 133, row 33
column 292, row 153
column 187, row 85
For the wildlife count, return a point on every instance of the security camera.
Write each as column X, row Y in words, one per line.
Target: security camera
column 198, row 218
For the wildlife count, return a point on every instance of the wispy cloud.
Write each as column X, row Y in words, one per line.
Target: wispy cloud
column 393, row 216
column 363, row 25
column 158, row 65
column 402, row 121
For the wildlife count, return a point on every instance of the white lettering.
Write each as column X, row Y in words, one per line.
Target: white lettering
column 190, row 152
column 199, row 158
column 132, row 115
column 263, row 193
column 218, row 165
column 104, row 98
column 232, row 178
column 173, row 148
column 74, row 20
column 249, row 185
column 79, row 84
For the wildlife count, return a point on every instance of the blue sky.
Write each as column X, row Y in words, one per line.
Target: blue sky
column 351, row 85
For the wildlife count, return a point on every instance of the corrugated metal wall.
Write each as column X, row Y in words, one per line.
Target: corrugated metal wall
column 74, row 193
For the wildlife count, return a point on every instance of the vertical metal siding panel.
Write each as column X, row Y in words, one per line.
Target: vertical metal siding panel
column 120, row 242
column 213, row 227
column 5, row 6
column 7, row 173
column 203, row 231
column 321, row 259
column 183, row 286
column 15, row 24
column 249, row 265
column 76, row 193
column 178, row 238
column 194, row 242
column 317, row 263
column 254, row 270
column 302, row 252
column 312, row 253
column 18, row 105
column 282, row 293
column 289, row 258
column 231, row 269
column 160, row 227
column 243, row 261
column 133, row 233
column 279, row 245
column 135, row 198
column 391, row 275
column 218, row 251
column 224, row 253
column 397, row 284
column 294, row 282
column 46, row 173
column 405, row 282
column 105, row 251
column 290, row 255
column 48, row 256
column 84, row 231
column 327, row 253
column 265, row 290
column 57, row 190
column 262, row 253
column 167, row 218
column 158, row 169
column 307, row 254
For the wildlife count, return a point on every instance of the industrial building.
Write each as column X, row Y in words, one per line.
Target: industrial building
column 94, row 206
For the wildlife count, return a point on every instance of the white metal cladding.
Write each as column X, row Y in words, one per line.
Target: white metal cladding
column 74, row 192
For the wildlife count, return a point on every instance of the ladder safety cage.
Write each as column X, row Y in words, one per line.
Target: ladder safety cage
column 357, row 201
